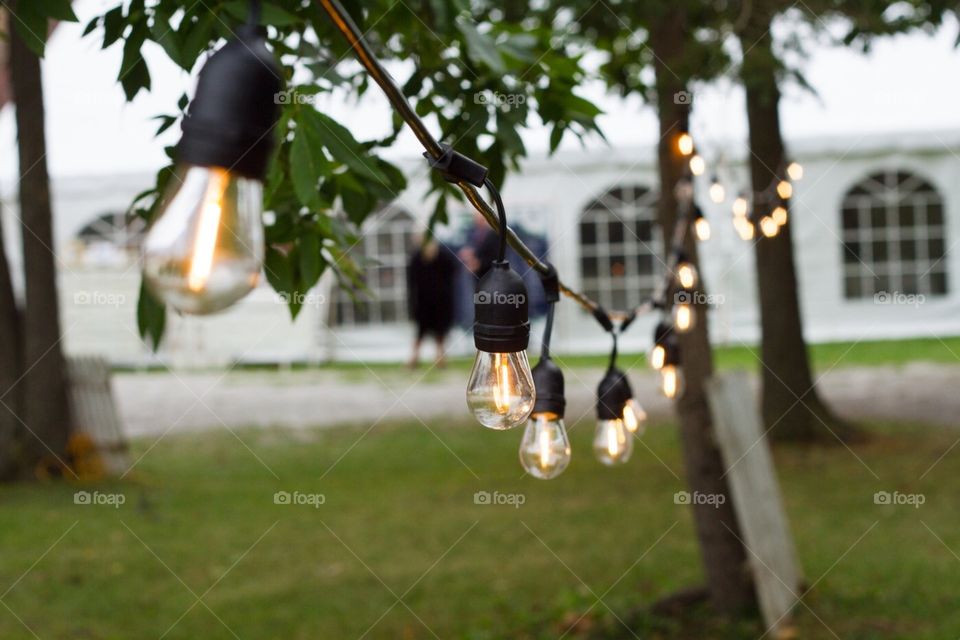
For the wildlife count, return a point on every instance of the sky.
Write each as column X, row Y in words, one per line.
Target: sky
column 900, row 86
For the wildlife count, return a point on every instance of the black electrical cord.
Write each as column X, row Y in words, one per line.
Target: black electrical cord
column 436, row 151
column 502, row 213
column 547, row 332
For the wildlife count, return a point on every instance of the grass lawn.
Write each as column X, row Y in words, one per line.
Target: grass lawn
column 399, row 521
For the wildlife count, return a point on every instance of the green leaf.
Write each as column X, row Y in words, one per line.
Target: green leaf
column 341, row 144
column 279, row 271
column 307, row 165
column 151, row 317
column 134, row 74
column 311, row 261
column 55, row 9
column 113, row 25
column 270, row 14
column 31, row 24
column 480, row 47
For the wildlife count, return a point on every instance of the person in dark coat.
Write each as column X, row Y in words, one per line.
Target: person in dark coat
column 431, row 275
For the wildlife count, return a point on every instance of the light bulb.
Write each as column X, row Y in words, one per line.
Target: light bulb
column 697, row 165
column 686, row 275
column 795, row 171
column 779, row 216
column 634, row 416
column 205, row 251
column 769, row 226
column 684, row 318
column 717, row 193
column 744, row 228
column 658, row 355
column 740, row 207
column 702, row 228
column 784, row 189
column 545, row 449
column 612, row 443
column 500, row 392
column 671, row 381
column 685, row 144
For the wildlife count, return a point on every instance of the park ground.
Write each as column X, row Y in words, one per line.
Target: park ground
column 384, row 529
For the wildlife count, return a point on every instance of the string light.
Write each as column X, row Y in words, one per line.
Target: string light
column 685, row 144
column 701, row 226
column 697, row 165
column 613, row 440
column 785, row 189
column 795, row 171
column 769, row 227
column 744, row 227
column 779, row 216
column 684, row 317
column 717, row 193
column 740, row 207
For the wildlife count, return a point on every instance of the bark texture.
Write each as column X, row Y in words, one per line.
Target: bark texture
column 45, row 410
column 725, row 560
column 792, row 408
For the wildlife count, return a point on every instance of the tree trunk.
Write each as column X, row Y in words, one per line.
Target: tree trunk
column 791, row 406
column 725, row 560
column 45, row 411
column 10, row 370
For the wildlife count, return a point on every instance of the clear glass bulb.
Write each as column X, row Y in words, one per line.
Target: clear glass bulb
column 685, row 144
column 671, row 381
column 500, row 392
column 697, row 165
column 702, row 228
column 612, row 443
column 769, row 226
column 784, row 189
column 657, row 356
column 795, row 171
column 684, row 318
column 634, row 417
column 686, row 275
column 779, row 216
column 545, row 449
column 205, row 251
column 717, row 193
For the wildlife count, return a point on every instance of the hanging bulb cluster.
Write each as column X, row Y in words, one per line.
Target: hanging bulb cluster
column 205, row 250
column 767, row 225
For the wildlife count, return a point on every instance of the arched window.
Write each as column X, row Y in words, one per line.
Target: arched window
column 893, row 237
column 620, row 246
column 382, row 253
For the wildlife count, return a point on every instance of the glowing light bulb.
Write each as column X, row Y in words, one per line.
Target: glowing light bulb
column 795, row 171
column 702, row 228
column 500, row 392
column 684, row 318
column 717, row 193
column 686, row 275
column 779, row 216
column 612, row 443
column 769, row 226
column 205, row 251
column 685, row 144
column 545, row 448
column 634, row 417
column 744, row 228
column 784, row 189
column 671, row 381
column 657, row 356
column 740, row 207
column 697, row 165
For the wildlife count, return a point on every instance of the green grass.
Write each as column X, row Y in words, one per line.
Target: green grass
column 400, row 518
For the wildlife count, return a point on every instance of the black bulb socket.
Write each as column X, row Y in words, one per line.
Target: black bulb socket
column 230, row 120
column 548, row 381
column 500, row 311
column 613, row 393
column 662, row 333
column 671, row 353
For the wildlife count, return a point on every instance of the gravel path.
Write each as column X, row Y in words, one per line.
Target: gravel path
column 155, row 403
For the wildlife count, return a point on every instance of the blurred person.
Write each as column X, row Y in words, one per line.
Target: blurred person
column 431, row 275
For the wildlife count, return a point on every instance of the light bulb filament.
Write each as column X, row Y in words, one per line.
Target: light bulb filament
column 613, row 442
column 630, row 419
column 208, row 228
column 501, row 393
column 545, row 460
